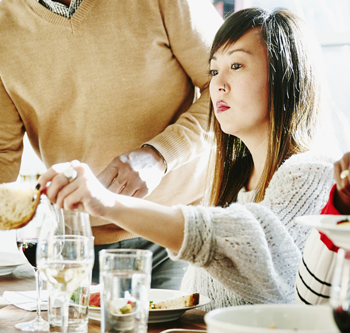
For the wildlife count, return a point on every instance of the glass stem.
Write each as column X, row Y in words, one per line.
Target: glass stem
column 65, row 313
column 38, row 281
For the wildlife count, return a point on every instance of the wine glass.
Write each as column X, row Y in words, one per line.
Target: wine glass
column 65, row 255
column 65, row 260
column 27, row 239
column 340, row 291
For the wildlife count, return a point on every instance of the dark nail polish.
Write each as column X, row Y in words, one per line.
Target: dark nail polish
column 37, row 186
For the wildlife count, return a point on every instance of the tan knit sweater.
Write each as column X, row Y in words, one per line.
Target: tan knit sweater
column 110, row 79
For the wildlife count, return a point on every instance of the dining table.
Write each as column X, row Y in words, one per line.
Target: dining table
column 23, row 279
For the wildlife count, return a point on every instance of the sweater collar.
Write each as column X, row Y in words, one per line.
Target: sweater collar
column 60, row 8
column 70, row 24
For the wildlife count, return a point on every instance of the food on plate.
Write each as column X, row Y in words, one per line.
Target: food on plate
column 344, row 222
column 175, row 303
column 95, row 300
column 18, row 203
column 79, row 296
column 128, row 308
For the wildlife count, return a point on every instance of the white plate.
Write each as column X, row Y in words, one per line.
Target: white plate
column 339, row 234
column 159, row 315
column 9, row 261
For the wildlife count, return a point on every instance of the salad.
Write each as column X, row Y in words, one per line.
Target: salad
column 95, row 301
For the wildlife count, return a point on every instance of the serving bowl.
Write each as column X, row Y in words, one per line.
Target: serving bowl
column 271, row 318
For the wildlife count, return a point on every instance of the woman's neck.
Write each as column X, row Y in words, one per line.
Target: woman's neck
column 258, row 152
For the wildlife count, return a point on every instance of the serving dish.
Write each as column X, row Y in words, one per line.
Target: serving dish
column 271, row 318
column 339, row 234
column 159, row 315
column 9, row 261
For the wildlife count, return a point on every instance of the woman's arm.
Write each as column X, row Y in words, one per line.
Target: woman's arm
column 160, row 224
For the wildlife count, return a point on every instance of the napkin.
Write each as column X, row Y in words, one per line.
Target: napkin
column 26, row 300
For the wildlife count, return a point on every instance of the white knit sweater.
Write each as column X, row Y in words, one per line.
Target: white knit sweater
column 250, row 252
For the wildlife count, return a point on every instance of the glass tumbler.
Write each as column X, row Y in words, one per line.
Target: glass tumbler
column 125, row 277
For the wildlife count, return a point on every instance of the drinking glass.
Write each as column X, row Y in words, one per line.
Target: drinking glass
column 65, row 260
column 27, row 239
column 69, row 223
column 125, row 277
column 340, row 291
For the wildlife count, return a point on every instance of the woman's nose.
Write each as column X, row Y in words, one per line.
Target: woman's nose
column 219, row 84
column 222, row 84
column 222, row 87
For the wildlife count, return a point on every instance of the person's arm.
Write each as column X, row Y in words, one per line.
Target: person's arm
column 160, row 224
column 190, row 26
column 339, row 197
column 11, row 138
column 342, row 194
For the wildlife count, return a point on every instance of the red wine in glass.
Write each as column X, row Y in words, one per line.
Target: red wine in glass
column 28, row 247
column 342, row 319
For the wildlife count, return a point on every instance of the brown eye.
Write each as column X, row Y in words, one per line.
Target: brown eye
column 236, row 66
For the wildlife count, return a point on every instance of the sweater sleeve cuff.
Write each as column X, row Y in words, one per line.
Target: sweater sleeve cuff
column 159, row 154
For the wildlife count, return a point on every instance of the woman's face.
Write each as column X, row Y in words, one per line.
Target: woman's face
column 239, row 88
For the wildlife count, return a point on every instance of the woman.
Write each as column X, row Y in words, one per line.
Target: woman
column 265, row 105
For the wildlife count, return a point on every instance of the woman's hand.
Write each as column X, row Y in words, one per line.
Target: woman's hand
column 342, row 195
column 84, row 192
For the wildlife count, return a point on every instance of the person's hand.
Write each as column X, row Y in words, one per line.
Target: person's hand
column 136, row 173
column 342, row 195
column 84, row 192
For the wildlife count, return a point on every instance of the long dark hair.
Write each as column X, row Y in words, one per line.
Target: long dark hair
column 294, row 103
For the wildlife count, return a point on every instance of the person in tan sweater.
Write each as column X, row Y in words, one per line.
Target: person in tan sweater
column 112, row 84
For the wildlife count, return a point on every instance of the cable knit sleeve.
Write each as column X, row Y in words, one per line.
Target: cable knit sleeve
column 254, row 249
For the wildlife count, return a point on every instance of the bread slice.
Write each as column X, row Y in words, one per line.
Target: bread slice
column 179, row 302
column 18, row 203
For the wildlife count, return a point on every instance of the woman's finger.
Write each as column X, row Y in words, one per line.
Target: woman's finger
column 66, row 191
column 51, row 173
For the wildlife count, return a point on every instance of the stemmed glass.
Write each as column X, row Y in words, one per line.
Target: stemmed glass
column 27, row 239
column 66, row 255
column 340, row 291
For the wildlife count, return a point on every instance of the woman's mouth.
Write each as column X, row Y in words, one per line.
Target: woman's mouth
column 221, row 106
